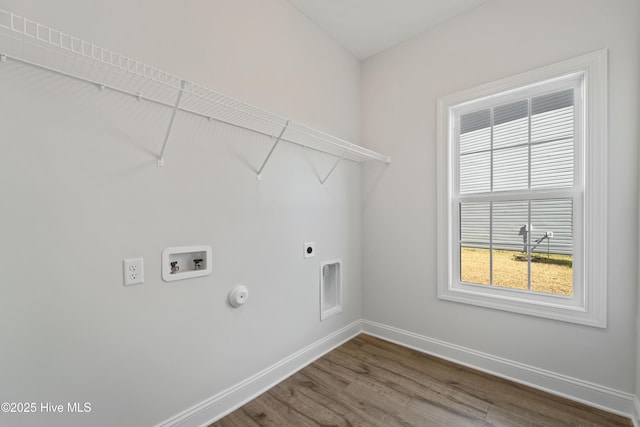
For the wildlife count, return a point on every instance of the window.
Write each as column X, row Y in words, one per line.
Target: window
column 522, row 193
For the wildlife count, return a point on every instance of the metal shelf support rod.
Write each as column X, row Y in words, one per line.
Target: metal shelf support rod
column 273, row 147
column 173, row 117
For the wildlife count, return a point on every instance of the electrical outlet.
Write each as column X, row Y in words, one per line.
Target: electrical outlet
column 133, row 271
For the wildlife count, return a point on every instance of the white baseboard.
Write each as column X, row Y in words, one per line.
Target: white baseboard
column 605, row 398
column 223, row 403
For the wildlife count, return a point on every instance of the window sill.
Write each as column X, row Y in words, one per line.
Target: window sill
column 550, row 307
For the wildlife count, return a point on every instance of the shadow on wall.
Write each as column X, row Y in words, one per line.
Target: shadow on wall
column 372, row 173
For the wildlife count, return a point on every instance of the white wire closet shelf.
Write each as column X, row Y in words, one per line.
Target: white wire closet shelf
column 29, row 42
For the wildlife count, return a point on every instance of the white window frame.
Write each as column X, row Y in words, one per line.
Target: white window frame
column 588, row 303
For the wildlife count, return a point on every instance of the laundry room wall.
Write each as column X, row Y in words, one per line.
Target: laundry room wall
column 81, row 191
column 400, row 87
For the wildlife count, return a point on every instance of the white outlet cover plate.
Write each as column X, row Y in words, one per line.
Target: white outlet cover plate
column 133, row 269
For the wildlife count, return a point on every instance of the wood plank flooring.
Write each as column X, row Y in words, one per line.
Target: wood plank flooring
column 371, row 382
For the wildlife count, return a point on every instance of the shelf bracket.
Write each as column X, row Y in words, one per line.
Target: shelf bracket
column 3, row 57
column 173, row 117
column 273, row 147
column 335, row 165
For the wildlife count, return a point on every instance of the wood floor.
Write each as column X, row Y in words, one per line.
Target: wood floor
column 371, row 382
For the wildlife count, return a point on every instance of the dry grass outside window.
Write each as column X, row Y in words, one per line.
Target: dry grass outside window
column 549, row 273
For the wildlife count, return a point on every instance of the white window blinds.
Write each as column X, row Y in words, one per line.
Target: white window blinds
column 527, row 144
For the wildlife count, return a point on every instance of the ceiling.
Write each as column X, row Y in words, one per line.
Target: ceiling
column 366, row 27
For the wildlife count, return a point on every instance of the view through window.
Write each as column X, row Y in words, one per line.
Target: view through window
column 515, row 220
column 522, row 193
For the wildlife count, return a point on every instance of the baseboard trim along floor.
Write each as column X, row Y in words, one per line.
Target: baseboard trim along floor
column 595, row 395
column 228, row 400
column 225, row 402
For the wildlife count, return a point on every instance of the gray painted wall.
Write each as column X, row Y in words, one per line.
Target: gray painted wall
column 81, row 192
column 400, row 87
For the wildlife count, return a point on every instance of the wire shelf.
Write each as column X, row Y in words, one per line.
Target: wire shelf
column 35, row 44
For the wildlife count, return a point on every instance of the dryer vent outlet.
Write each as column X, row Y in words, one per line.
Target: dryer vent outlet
column 330, row 288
